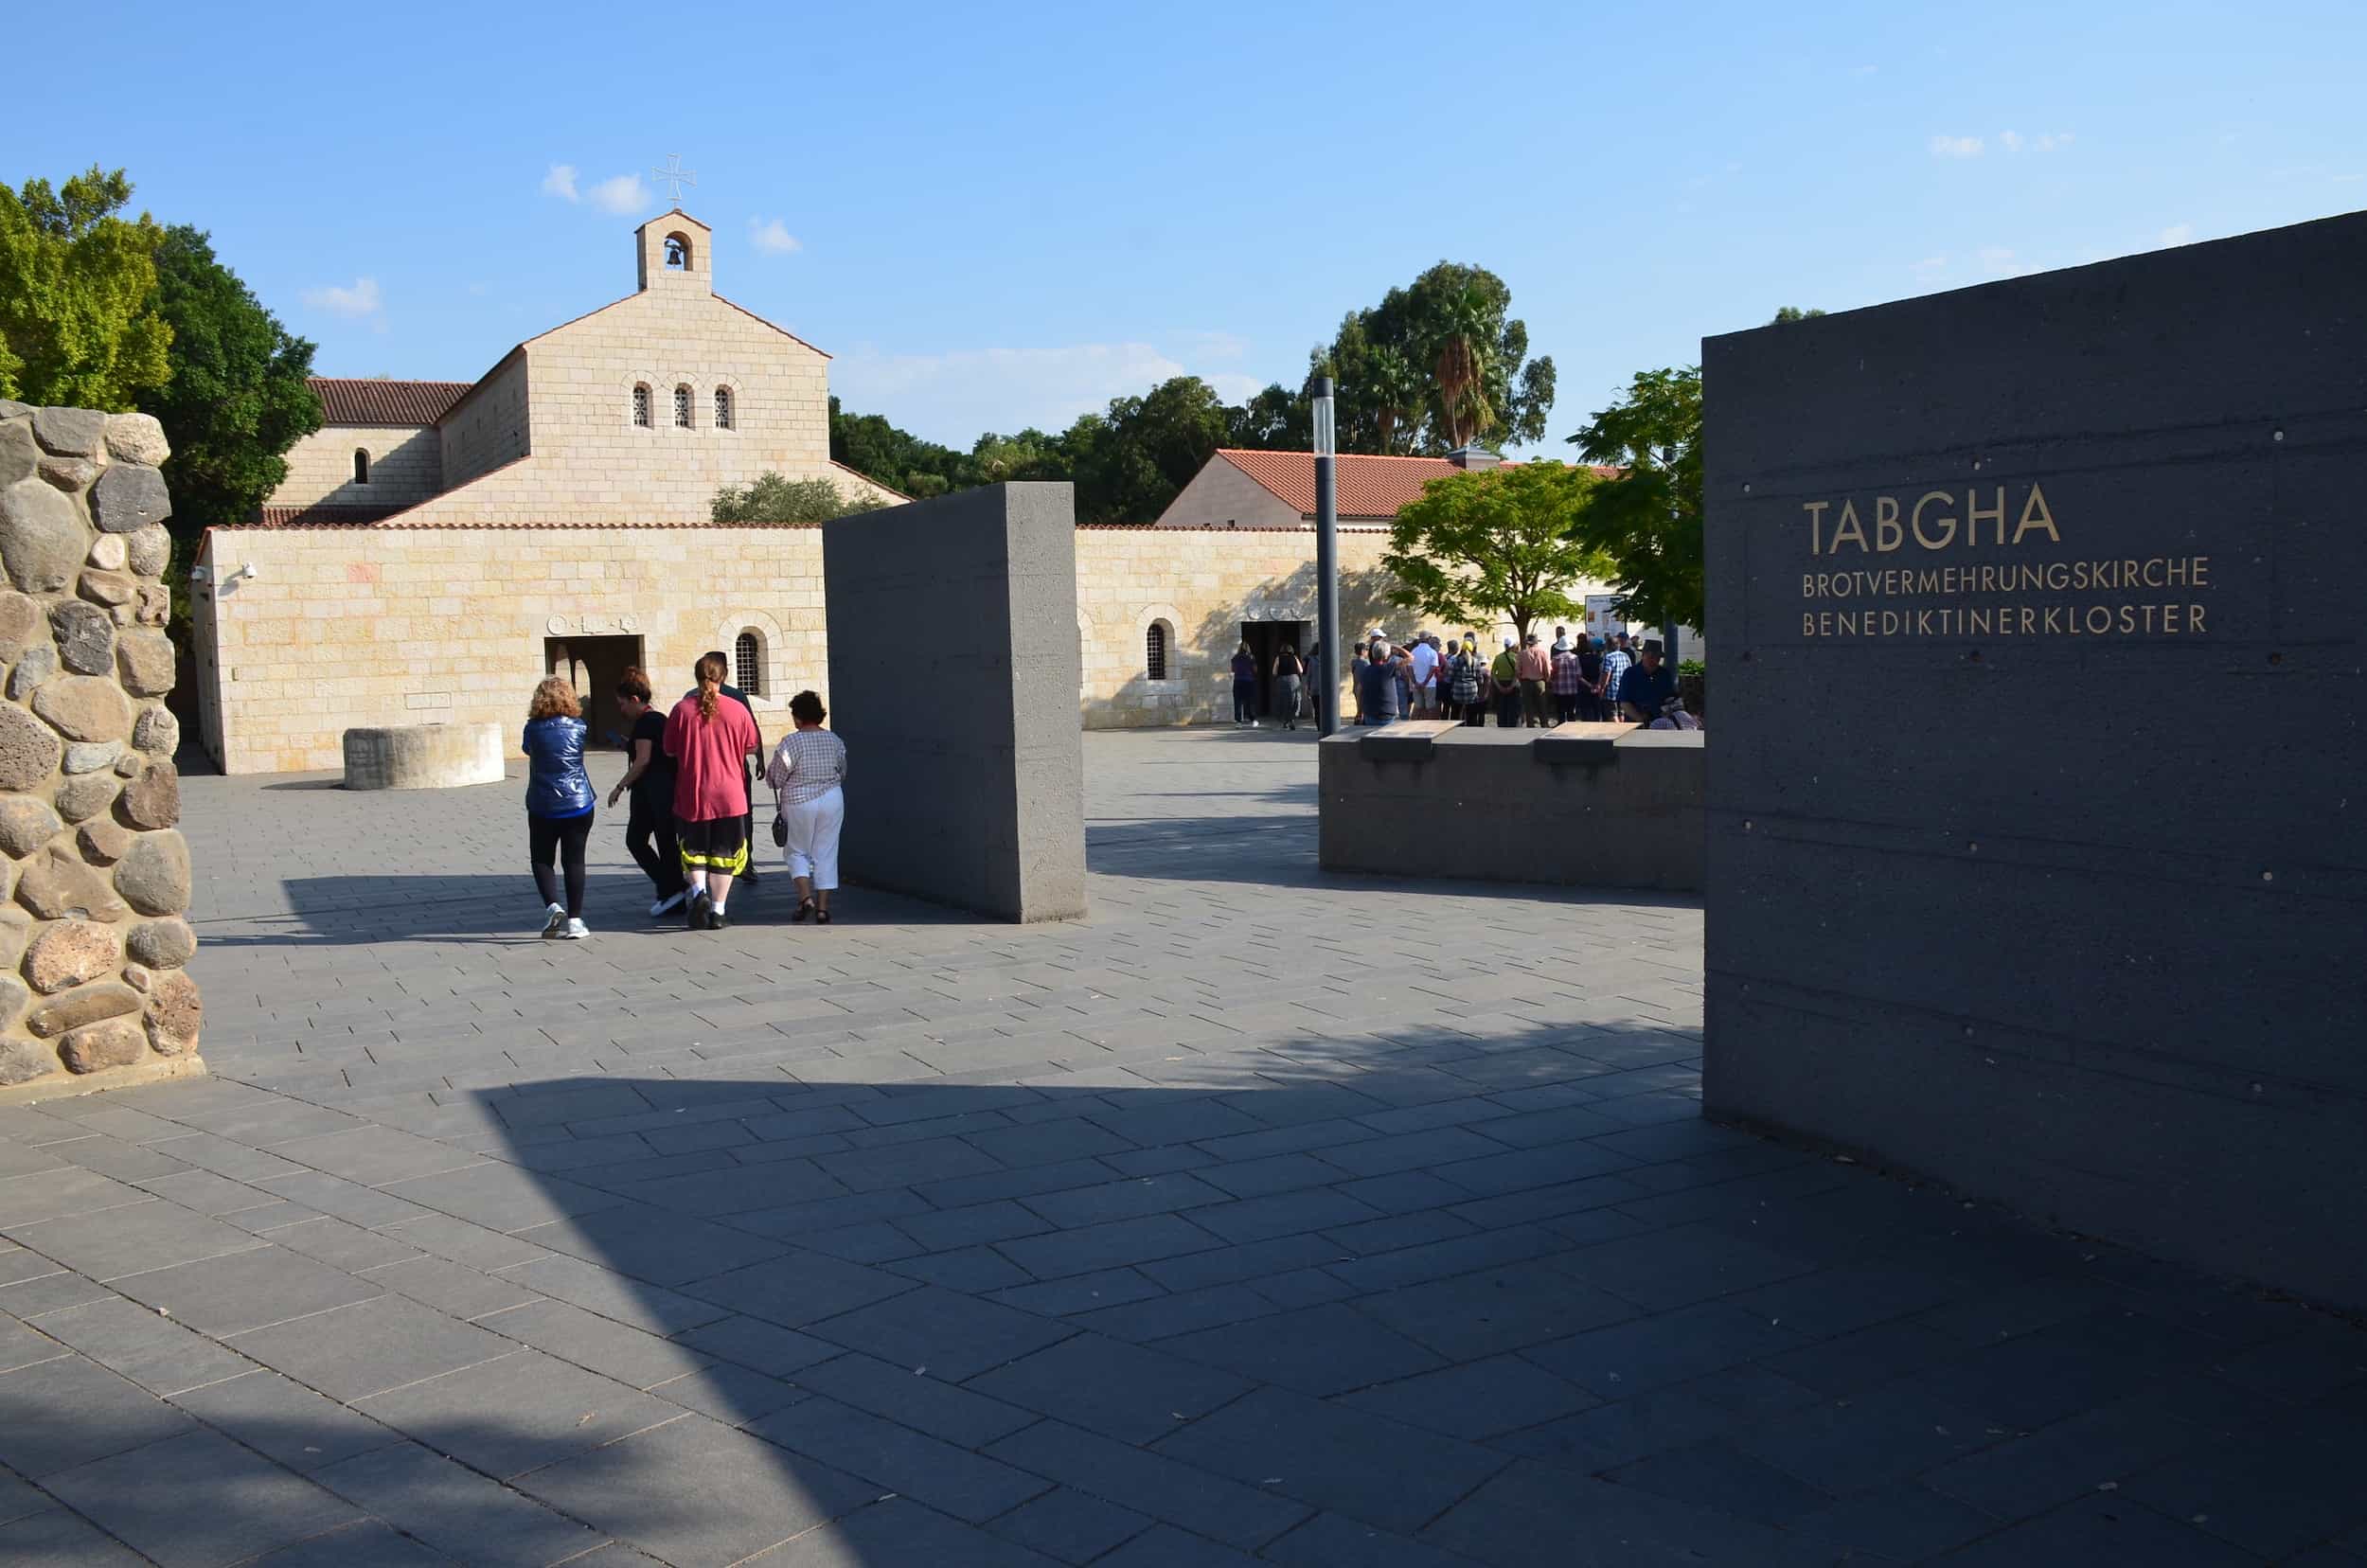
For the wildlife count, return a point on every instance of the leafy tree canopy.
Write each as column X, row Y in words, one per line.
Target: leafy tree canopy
column 237, row 400
column 1496, row 544
column 1648, row 524
column 1794, row 312
column 1439, row 364
column 79, row 322
column 771, row 498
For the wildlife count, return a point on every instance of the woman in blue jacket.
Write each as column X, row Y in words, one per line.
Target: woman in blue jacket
column 559, row 804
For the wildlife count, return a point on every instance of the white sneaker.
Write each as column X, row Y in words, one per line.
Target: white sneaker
column 672, row 902
column 554, row 923
column 576, row 930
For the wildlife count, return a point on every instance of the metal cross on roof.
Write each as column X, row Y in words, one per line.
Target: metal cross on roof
column 675, row 175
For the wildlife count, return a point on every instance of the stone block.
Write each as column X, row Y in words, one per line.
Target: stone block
column 422, row 757
column 117, row 1043
column 30, row 749
column 107, row 588
column 128, row 497
column 175, row 1013
column 149, row 551
column 153, row 875
column 56, row 884
column 71, row 952
column 162, row 944
column 86, row 708
column 110, row 553
column 86, row 637
column 43, row 537
column 103, row 842
column 136, row 439
column 21, row 627
column 154, row 799
column 87, row 795
column 89, row 756
column 70, row 474
column 14, row 995
column 37, row 666
column 145, row 661
column 70, row 432
column 19, row 458
column 22, row 1061
column 156, row 731
column 26, row 825
column 82, row 1005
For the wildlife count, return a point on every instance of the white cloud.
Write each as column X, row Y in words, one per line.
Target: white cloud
column 625, row 195
column 953, row 398
column 561, row 181
column 2052, row 142
column 362, row 299
column 1955, row 147
column 2177, row 234
column 1217, row 345
column 772, row 237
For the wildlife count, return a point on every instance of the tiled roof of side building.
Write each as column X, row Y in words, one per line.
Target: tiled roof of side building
column 322, row 516
column 371, row 401
column 1368, row 486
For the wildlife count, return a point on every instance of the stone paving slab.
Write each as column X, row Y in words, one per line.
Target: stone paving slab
column 1259, row 1217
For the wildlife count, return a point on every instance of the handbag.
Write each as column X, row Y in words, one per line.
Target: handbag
column 780, row 824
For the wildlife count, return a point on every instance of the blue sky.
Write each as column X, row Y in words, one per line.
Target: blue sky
column 999, row 216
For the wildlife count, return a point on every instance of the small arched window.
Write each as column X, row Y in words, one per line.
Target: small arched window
column 1155, row 651
column 748, row 663
column 678, row 252
column 361, row 465
column 682, row 407
column 722, row 408
column 641, row 404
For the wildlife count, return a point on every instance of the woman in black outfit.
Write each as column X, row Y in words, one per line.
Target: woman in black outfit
column 650, row 829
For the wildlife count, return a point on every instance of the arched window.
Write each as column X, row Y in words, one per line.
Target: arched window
column 722, row 408
column 678, row 252
column 748, row 663
column 1155, row 651
column 361, row 465
column 682, row 407
column 641, row 404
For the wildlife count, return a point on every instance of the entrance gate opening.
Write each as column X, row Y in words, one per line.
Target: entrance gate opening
column 1266, row 639
column 594, row 665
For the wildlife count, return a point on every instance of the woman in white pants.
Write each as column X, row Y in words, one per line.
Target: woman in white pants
column 807, row 770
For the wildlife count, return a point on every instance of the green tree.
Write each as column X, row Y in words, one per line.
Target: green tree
column 1129, row 462
column 1495, row 544
column 1453, row 319
column 1794, row 312
column 772, row 498
column 1393, row 391
column 78, row 323
column 237, row 400
column 903, row 461
column 1649, row 523
column 1463, row 368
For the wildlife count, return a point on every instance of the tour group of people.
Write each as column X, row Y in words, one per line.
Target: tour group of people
column 691, row 784
column 1526, row 684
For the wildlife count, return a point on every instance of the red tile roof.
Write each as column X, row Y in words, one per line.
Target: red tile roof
column 319, row 516
column 385, row 403
column 1368, row 487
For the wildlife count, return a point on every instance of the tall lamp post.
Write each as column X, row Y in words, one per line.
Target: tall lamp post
column 1327, row 558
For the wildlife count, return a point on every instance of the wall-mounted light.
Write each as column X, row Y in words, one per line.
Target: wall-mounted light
column 245, row 573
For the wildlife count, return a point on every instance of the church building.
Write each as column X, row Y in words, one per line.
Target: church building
column 438, row 546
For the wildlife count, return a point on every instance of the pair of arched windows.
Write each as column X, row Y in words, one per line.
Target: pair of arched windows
column 727, row 414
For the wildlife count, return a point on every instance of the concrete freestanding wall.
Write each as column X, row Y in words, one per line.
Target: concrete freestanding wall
column 954, row 678
column 2036, row 848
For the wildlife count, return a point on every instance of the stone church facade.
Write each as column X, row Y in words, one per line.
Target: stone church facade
column 438, row 546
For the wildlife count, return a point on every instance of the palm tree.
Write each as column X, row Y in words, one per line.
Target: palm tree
column 1464, row 341
column 1396, row 390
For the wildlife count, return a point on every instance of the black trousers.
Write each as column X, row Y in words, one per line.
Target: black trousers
column 649, row 839
column 564, row 838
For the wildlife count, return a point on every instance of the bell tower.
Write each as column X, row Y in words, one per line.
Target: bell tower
column 673, row 252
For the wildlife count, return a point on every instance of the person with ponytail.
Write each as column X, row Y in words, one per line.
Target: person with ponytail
column 710, row 739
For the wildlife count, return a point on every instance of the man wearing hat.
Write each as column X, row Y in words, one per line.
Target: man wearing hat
column 1647, row 688
column 1535, row 666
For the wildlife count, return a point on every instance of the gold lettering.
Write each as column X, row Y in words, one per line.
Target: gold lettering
column 1847, row 527
column 1888, row 536
column 1816, row 514
column 2193, row 614
column 2128, row 620
column 2202, row 573
column 2056, row 573
column 1914, row 520
column 1980, row 620
column 2028, row 617
column 1824, row 623
column 2097, row 627
column 1807, row 585
column 2053, row 620
column 1808, row 624
column 2169, row 617
column 2035, row 515
column 1973, row 514
column 2154, row 569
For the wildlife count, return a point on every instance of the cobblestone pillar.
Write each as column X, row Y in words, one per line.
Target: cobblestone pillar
column 98, row 877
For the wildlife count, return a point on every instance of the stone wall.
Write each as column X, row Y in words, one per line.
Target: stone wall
column 406, row 465
column 487, row 428
column 94, row 940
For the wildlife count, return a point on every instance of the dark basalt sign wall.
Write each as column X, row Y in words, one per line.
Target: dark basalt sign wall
column 2035, row 846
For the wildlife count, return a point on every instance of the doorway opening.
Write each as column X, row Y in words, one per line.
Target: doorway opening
column 1266, row 639
column 594, row 665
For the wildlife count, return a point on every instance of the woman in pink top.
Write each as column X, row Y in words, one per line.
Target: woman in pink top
column 709, row 740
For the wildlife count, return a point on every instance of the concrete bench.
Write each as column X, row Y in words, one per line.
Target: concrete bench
column 1601, row 805
column 423, row 756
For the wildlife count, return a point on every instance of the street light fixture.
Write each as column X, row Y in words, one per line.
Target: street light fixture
column 1327, row 558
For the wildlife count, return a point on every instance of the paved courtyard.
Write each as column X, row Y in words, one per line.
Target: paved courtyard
column 1263, row 1217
